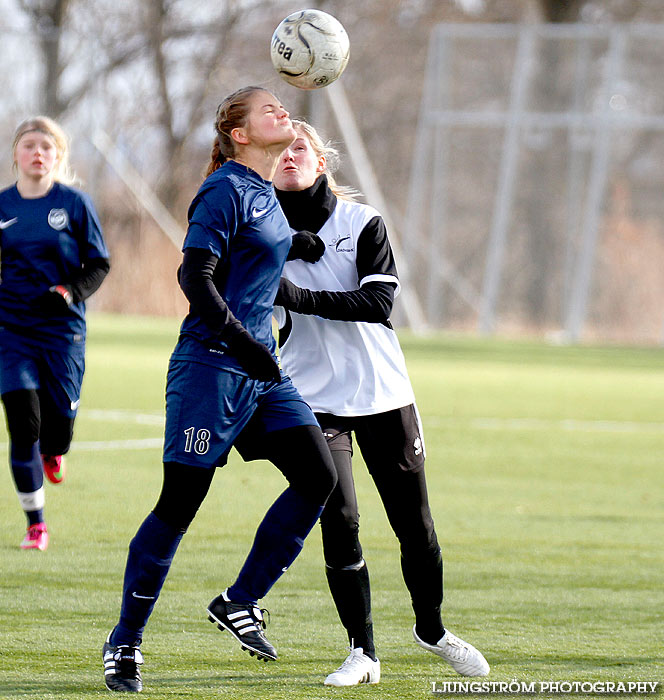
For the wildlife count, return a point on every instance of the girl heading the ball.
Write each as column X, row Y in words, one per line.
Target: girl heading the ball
column 225, row 389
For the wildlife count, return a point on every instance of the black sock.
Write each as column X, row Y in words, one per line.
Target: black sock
column 351, row 592
column 429, row 628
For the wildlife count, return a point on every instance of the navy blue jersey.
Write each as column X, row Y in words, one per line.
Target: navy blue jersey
column 236, row 216
column 44, row 242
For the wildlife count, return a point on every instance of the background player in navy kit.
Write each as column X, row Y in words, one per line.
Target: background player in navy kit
column 224, row 388
column 341, row 352
column 53, row 258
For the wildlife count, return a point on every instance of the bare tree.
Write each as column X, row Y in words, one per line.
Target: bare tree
column 76, row 38
column 561, row 10
column 179, row 115
column 150, row 73
column 48, row 18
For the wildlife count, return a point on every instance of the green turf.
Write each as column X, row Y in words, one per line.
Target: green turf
column 545, row 477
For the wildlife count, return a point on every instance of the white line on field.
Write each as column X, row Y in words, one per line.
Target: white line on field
column 566, row 424
column 137, row 444
column 569, row 424
column 98, row 445
column 122, row 415
column 119, row 415
column 486, row 423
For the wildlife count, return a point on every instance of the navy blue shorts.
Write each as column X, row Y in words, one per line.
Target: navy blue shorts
column 59, row 372
column 209, row 410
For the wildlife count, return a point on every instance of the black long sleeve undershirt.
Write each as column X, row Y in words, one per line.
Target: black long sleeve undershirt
column 196, row 277
column 196, row 280
column 89, row 279
column 371, row 303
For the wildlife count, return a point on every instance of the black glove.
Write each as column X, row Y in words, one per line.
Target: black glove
column 290, row 296
column 306, row 246
column 57, row 300
column 254, row 357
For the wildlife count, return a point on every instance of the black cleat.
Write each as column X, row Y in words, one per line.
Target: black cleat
column 245, row 623
column 121, row 667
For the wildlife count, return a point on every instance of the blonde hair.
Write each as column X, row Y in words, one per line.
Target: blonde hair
column 62, row 171
column 332, row 159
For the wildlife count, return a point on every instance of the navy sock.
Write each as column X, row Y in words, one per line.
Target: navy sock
column 279, row 539
column 28, row 474
column 35, row 516
column 150, row 555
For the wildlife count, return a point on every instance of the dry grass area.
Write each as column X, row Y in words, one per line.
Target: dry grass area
column 142, row 280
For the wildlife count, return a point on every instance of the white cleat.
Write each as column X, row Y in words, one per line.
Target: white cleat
column 357, row 668
column 460, row 655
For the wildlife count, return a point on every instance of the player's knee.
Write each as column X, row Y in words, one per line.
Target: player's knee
column 419, row 545
column 317, row 476
column 23, row 418
column 24, row 433
column 183, row 490
column 174, row 513
column 56, row 443
column 56, row 435
column 344, row 519
column 341, row 544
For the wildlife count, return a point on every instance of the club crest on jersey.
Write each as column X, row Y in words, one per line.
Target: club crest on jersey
column 58, row 219
column 342, row 244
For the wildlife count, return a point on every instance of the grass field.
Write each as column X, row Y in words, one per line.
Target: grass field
column 545, row 477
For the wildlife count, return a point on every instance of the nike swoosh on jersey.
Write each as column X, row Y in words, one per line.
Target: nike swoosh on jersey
column 257, row 212
column 7, row 224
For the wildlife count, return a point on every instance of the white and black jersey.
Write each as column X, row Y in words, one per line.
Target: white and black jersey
column 344, row 367
column 344, row 357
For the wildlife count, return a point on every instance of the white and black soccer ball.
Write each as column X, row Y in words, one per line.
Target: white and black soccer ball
column 310, row 49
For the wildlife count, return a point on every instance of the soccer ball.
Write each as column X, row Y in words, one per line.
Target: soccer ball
column 310, row 49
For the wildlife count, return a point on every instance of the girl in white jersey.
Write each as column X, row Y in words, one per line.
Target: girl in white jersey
column 340, row 350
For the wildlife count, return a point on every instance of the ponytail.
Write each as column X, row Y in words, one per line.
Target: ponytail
column 217, row 158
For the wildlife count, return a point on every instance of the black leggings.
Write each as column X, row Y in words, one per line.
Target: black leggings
column 301, row 455
column 404, row 496
column 386, row 442
column 31, row 416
